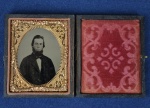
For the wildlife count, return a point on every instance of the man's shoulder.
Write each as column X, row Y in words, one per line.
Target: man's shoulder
column 27, row 57
column 46, row 58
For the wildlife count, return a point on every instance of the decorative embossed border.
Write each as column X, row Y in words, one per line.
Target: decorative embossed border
column 79, row 61
column 43, row 90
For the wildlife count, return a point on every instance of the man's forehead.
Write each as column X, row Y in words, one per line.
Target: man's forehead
column 38, row 40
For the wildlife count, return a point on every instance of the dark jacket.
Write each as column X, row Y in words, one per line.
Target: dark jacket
column 30, row 70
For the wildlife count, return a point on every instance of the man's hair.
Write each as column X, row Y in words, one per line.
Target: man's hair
column 38, row 37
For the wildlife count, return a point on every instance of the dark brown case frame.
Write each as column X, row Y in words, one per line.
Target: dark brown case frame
column 78, row 59
column 72, row 21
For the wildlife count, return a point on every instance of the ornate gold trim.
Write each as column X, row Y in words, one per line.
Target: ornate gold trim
column 18, row 28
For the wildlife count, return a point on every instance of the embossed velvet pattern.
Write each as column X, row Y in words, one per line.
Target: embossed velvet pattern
column 111, row 56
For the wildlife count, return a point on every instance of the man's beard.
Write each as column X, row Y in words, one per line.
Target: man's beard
column 37, row 53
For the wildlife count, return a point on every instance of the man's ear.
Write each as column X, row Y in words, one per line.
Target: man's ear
column 32, row 47
column 43, row 45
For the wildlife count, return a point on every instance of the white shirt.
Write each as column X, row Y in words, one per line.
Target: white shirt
column 39, row 63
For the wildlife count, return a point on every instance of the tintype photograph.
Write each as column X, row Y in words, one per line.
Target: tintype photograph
column 39, row 55
column 110, row 56
column 36, row 67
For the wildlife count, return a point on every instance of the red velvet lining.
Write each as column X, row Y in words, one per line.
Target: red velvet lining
column 110, row 56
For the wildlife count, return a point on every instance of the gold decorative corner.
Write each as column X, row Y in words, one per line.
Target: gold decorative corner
column 18, row 28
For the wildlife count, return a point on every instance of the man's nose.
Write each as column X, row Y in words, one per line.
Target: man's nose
column 38, row 45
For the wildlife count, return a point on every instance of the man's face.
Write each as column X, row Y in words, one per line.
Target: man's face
column 38, row 44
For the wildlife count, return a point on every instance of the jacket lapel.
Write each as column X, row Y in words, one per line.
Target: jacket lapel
column 34, row 64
